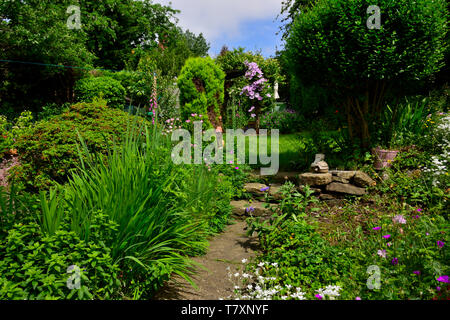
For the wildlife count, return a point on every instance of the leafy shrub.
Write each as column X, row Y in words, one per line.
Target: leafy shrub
column 401, row 124
column 34, row 265
column 9, row 131
column 201, row 84
column 52, row 109
column 419, row 174
column 88, row 89
column 157, row 212
column 49, row 150
column 336, row 145
column 286, row 121
column 16, row 207
column 294, row 254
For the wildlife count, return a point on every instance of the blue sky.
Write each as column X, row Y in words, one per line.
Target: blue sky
column 247, row 23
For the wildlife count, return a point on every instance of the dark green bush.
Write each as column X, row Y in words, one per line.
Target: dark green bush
column 88, row 89
column 49, row 150
column 330, row 45
column 201, row 84
column 287, row 121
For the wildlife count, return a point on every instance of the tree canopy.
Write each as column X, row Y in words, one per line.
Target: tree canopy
column 331, row 45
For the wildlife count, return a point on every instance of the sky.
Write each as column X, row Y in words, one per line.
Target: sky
column 251, row 24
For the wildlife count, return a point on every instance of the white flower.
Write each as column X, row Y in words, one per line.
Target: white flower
column 244, row 260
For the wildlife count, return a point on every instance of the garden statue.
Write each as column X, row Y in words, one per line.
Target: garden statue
column 276, row 95
column 319, row 165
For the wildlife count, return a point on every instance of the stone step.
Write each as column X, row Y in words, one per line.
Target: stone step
column 243, row 209
column 256, row 189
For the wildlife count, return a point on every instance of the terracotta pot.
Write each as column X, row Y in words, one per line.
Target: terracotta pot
column 384, row 158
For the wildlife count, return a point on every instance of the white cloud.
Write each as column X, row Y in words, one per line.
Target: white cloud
column 216, row 18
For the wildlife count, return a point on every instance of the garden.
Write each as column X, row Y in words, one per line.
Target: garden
column 94, row 205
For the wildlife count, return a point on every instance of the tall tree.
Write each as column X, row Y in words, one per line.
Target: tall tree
column 36, row 31
column 289, row 10
column 331, row 45
column 197, row 44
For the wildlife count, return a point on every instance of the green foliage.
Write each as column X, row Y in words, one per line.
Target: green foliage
column 197, row 44
column 336, row 145
column 232, row 63
column 287, row 121
column 52, row 109
column 9, row 131
column 49, row 150
column 408, row 246
column 409, row 45
column 301, row 257
column 33, row 265
column 201, row 84
column 16, row 207
column 330, row 45
column 110, row 31
column 161, row 216
column 292, row 8
column 89, row 89
column 415, row 246
column 401, row 124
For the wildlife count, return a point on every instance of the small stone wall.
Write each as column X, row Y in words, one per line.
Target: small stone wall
column 334, row 183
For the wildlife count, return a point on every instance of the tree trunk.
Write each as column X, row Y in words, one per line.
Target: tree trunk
column 361, row 111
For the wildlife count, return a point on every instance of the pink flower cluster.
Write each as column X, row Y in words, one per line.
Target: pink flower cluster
column 253, row 70
column 154, row 101
column 253, row 91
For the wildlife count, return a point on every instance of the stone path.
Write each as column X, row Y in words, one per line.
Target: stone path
column 226, row 250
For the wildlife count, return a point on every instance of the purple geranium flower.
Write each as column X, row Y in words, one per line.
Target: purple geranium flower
column 318, row 296
column 417, row 272
column 376, row 228
column 394, row 261
column 387, row 236
column 440, row 244
column 443, row 279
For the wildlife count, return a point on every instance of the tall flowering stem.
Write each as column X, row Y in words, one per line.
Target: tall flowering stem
column 154, row 100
